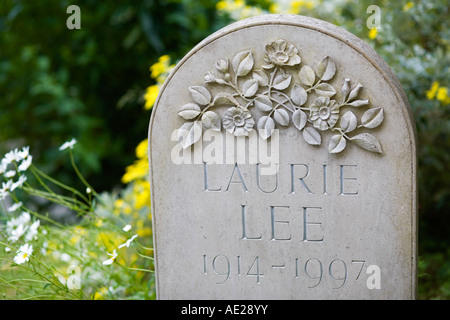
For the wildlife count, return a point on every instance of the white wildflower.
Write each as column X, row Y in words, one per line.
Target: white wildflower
column 112, row 259
column 23, row 254
column 127, row 228
column 24, row 153
column 15, row 206
column 65, row 257
column 68, row 144
column 10, row 173
column 6, row 186
column 26, row 163
column 18, row 183
column 11, row 156
column 3, row 166
column 3, row 194
column 32, row 231
column 128, row 242
column 17, row 232
column 16, row 227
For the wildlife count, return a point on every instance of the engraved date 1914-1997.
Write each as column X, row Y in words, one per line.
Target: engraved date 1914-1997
column 312, row 271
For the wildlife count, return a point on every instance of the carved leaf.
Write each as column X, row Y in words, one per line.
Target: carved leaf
column 242, row 63
column 298, row 95
column 250, row 87
column 325, row 90
column 189, row 111
column 265, row 127
column 367, row 142
column 190, row 132
column 372, row 118
column 326, row 69
column 349, row 122
column 211, row 120
column 225, row 98
column 261, row 76
column 337, row 143
column 307, row 76
column 354, row 93
column 282, row 81
column 345, row 89
column 281, row 117
column 263, row 103
column 299, row 119
column 312, row 136
column 358, row 103
column 200, row 95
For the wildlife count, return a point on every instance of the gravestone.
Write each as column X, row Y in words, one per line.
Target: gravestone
column 283, row 166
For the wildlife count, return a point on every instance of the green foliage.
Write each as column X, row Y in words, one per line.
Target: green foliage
column 58, row 83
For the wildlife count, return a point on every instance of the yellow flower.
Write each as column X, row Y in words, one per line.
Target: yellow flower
column 275, row 8
column 442, row 95
column 100, row 295
column 141, row 190
column 438, row 92
column 373, row 33
column 237, row 9
column 159, row 71
column 160, row 67
column 408, row 6
column 141, row 149
column 432, row 92
column 150, row 96
column 109, row 239
column 138, row 170
column 296, row 6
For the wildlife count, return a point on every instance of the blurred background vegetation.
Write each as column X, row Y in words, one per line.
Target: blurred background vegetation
column 90, row 84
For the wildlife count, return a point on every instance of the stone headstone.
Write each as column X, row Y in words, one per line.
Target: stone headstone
column 283, row 166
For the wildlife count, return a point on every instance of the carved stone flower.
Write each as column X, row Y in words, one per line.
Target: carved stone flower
column 238, row 120
column 324, row 113
column 281, row 53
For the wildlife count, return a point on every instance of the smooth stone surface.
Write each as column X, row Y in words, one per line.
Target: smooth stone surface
column 321, row 225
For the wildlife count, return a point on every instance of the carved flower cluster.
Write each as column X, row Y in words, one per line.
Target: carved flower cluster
column 310, row 105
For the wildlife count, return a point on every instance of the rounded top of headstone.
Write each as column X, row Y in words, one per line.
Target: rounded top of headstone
column 316, row 39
